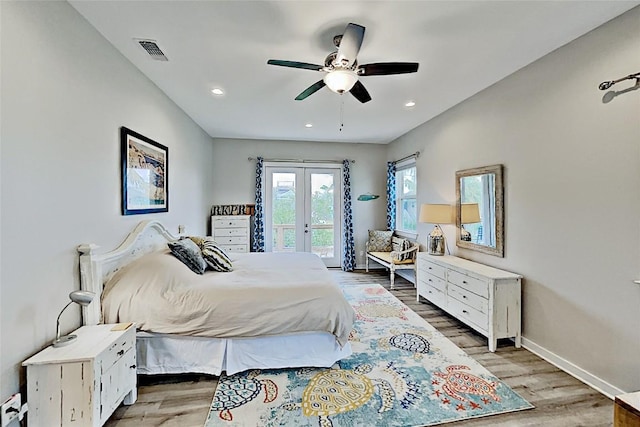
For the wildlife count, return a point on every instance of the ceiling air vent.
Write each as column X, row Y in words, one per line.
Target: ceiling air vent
column 152, row 49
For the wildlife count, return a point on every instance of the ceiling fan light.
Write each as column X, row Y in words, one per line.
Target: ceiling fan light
column 340, row 81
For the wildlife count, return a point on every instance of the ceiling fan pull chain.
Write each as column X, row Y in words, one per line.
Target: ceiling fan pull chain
column 341, row 113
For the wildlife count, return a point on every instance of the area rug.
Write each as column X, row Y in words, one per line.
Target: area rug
column 402, row 372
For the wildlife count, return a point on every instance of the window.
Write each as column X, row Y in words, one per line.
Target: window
column 406, row 205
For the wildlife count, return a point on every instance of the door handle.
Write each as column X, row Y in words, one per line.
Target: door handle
column 637, row 282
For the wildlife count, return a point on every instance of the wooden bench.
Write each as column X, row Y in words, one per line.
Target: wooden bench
column 393, row 260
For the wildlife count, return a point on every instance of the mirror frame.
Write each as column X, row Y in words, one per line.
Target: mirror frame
column 499, row 213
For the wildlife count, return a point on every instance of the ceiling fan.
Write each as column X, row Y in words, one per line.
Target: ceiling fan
column 342, row 67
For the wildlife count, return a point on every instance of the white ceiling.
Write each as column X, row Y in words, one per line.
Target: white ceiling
column 462, row 47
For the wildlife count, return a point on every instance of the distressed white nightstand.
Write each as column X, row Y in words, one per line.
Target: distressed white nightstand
column 83, row 383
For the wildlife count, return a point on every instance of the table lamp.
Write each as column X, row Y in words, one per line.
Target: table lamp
column 436, row 214
column 469, row 213
column 83, row 298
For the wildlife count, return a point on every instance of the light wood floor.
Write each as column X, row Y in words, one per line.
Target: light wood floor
column 560, row 400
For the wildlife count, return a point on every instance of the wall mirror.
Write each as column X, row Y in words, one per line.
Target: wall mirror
column 480, row 209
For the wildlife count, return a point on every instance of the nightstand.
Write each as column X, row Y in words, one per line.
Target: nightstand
column 83, row 383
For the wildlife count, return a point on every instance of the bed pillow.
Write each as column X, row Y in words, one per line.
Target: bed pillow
column 380, row 240
column 214, row 256
column 189, row 253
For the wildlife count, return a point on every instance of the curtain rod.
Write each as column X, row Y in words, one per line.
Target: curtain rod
column 300, row 160
column 414, row 155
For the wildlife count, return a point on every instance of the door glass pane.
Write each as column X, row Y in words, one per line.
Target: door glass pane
column 284, row 212
column 322, row 214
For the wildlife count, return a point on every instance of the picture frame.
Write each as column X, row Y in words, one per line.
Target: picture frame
column 145, row 174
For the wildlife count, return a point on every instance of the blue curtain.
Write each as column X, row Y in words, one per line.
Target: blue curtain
column 258, row 229
column 349, row 250
column 391, row 195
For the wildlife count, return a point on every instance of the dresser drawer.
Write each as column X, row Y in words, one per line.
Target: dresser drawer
column 433, row 269
column 467, row 313
column 477, row 286
column 225, row 232
column 231, row 240
column 230, row 223
column 116, row 350
column 433, row 281
column 469, row 298
column 434, row 296
column 235, row 248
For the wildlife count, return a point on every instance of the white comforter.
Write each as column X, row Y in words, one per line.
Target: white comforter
column 266, row 294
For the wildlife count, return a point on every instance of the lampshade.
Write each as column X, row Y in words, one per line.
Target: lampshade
column 340, row 81
column 436, row 214
column 469, row 213
column 83, row 298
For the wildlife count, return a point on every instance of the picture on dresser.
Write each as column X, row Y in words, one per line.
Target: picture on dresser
column 144, row 164
column 480, row 209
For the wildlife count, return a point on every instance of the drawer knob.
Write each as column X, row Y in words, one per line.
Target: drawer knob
column 430, row 280
column 132, row 367
column 120, row 353
column 464, row 281
column 464, row 296
column 465, row 311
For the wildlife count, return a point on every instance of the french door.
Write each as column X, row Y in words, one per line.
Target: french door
column 303, row 210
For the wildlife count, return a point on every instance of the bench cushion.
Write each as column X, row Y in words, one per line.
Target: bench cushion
column 386, row 257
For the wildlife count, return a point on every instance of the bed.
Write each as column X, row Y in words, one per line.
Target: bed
column 272, row 311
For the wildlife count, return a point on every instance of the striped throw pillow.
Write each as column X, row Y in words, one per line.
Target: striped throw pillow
column 214, row 256
column 398, row 245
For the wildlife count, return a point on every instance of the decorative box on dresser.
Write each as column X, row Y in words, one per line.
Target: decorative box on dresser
column 82, row 383
column 485, row 298
column 231, row 232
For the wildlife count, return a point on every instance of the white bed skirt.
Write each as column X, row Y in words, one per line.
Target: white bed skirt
column 178, row 354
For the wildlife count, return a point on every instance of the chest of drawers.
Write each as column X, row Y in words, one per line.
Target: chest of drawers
column 83, row 383
column 485, row 298
column 231, row 232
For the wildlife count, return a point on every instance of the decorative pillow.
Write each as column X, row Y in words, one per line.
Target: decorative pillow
column 399, row 244
column 214, row 256
column 380, row 241
column 197, row 240
column 189, row 253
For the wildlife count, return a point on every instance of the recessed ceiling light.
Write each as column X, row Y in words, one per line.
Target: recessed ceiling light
column 217, row 91
column 410, row 104
column 308, row 125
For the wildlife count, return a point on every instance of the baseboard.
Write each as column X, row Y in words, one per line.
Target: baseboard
column 575, row 371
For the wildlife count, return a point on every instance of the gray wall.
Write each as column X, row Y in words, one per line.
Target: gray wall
column 65, row 93
column 235, row 175
column 572, row 175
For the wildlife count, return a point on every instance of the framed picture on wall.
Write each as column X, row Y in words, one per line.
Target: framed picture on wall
column 145, row 185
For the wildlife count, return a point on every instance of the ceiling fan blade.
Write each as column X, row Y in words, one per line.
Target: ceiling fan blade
column 295, row 64
column 358, row 90
column 311, row 90
column 350, row 44
column 385, row 68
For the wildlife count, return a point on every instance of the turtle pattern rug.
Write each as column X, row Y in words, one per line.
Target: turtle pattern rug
column 402, row 372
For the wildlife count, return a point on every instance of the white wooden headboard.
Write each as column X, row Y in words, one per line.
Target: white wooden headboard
column 97, row 268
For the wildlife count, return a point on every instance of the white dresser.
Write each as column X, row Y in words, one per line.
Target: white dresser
column 231, row 232
column 81, row 384
column 483, row 297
